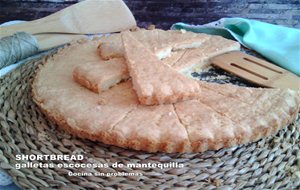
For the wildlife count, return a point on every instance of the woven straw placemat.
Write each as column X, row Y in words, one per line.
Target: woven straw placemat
column 271, row 163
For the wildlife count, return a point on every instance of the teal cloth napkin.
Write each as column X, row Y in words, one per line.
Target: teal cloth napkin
column 279, row 44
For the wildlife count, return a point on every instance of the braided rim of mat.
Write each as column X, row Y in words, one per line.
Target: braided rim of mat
column 271, row 163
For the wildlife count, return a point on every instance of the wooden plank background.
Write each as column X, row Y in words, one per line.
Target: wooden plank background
column 163, row 13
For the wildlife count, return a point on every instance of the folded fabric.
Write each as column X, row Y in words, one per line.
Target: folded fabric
column 5, row 179
column 279, row 44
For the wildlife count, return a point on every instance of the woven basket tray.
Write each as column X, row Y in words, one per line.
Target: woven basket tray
column 271, row 163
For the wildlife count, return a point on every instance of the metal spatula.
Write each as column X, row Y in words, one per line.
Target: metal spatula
column 256, row 70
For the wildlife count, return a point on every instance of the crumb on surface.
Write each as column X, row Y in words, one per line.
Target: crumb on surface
column 101, row 101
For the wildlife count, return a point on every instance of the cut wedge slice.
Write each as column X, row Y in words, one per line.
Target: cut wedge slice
column 160, row 42
column 153, row 81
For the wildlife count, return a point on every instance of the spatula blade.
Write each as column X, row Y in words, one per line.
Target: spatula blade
column 256, row 70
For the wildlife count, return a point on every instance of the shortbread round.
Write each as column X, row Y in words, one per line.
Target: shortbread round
column 222, row 116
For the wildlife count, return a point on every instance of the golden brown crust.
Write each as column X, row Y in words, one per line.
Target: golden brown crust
column 181, row 147
column 114, row 138
column 171, row 128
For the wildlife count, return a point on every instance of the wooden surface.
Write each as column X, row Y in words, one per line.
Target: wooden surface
column 165, row 13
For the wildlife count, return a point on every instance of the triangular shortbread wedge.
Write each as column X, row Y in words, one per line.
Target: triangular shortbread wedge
column 160, row 42
column 256, row 100
column 153, row 81
column 192, row 59
column 226, row 115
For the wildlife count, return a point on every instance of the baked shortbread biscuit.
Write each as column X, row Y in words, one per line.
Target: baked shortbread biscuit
column 184, row 60
column 195, row 59
column 160, row 42
column 101, row 75
column 223, row 115
column 153, row 81
column 185, row 56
